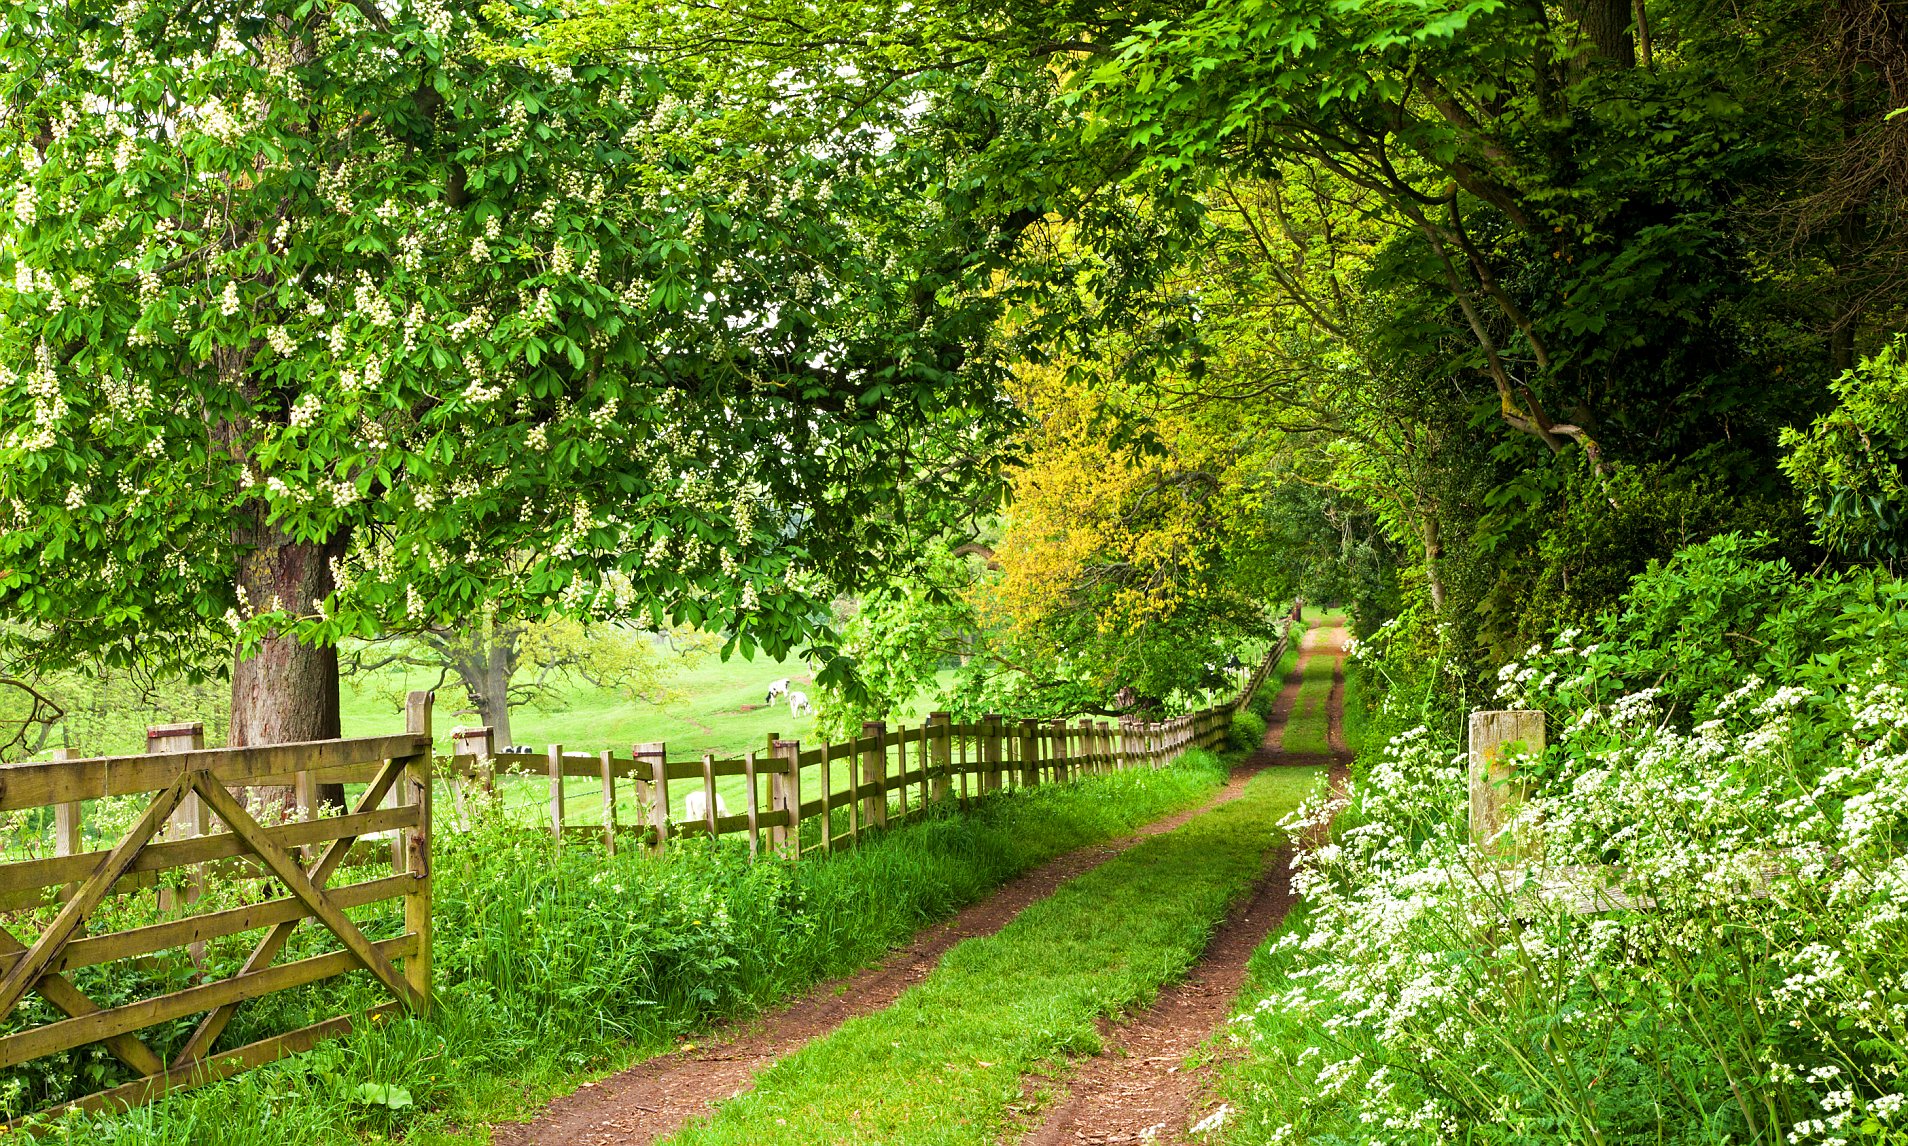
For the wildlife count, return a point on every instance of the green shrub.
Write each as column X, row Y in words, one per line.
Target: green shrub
column 1248, row 730
column 1713, row 742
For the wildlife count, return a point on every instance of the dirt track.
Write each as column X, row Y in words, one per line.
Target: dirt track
column 1139, row 1089
column 659, row 1096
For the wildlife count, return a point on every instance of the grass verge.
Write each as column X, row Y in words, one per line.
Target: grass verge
column 944, row 1064
column 554, row 965
column 1308, row 728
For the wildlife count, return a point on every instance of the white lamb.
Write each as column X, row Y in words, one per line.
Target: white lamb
column 695, row 806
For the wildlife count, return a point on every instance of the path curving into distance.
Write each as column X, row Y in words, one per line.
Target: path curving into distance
column 1140, row 1088
column 659, row 1096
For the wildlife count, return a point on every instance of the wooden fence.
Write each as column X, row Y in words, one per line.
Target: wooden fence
column 161, row 823
column 196, row 812
column 796, row 801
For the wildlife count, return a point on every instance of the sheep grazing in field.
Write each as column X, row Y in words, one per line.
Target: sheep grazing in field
column 798, row 703
column 695, row 806
column 776, row 688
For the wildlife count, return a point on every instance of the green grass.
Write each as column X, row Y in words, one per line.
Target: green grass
column 944, row 1064
column 719, row 709
column 1308, row 728
column 557, row 965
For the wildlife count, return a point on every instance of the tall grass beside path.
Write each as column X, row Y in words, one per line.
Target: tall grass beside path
column 554, row 963
column 944, row 1064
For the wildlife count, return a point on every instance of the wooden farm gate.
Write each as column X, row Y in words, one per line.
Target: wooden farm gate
column 205, row 820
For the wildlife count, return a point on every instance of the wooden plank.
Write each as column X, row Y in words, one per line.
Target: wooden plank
column 71, row 1002
column 41, row 784
column 337, row 853
column 220, row 1066
column 93, row 950
column 299, row 884
column 20, row 978
column 32, row 875
column 52, row 1038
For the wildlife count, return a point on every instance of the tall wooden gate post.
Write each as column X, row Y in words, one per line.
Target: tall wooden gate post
column 417, row 846
column 940, row 755
column 785, row 795
column 1029, row 754
column 1499, row 740
column 874, row 770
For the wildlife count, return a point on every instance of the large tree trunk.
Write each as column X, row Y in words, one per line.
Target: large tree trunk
column 486, row 675
column 1606, row 28
column 285, row 691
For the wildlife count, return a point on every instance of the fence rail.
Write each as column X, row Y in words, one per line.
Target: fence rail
column 180, row 820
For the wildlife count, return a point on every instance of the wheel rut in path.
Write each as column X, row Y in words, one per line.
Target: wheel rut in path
column 1138, row 1089
column 659, row 1096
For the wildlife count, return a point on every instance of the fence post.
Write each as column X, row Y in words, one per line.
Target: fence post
column 990, row 752
column 608, row 762
column 748, row 774
column 709, row 792
column 785, row 794
column 1498, row 740
column 1029, row 754
column 480, row 743
column 556, row 791
column 655, row 790
column 874, row 770
column 940, row 754
column 417, row 845
column 189, row 819
column 66, row 819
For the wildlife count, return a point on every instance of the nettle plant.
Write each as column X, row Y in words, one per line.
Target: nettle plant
column 1704, row 943
column 329, row 318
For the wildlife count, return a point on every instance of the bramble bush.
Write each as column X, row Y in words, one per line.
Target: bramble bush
column 1711, row 946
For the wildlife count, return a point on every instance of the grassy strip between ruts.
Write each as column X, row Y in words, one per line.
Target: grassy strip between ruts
column 558, row 964
column 1307, row 729
column 944, row 1064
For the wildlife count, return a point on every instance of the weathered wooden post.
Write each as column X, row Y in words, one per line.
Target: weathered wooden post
column 556, row 792
column 940, row 727
column 785, row 794
column 1029, row 754
column 481, row 745
column 189, row 819
column 416, row 841
column 653, row 793
column 709, row 793
column 874, row 770
column 67, row 830
column 1499, row 739
column 473, row 744
column 748, row 774
column 990, row 752
column 607, row 762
